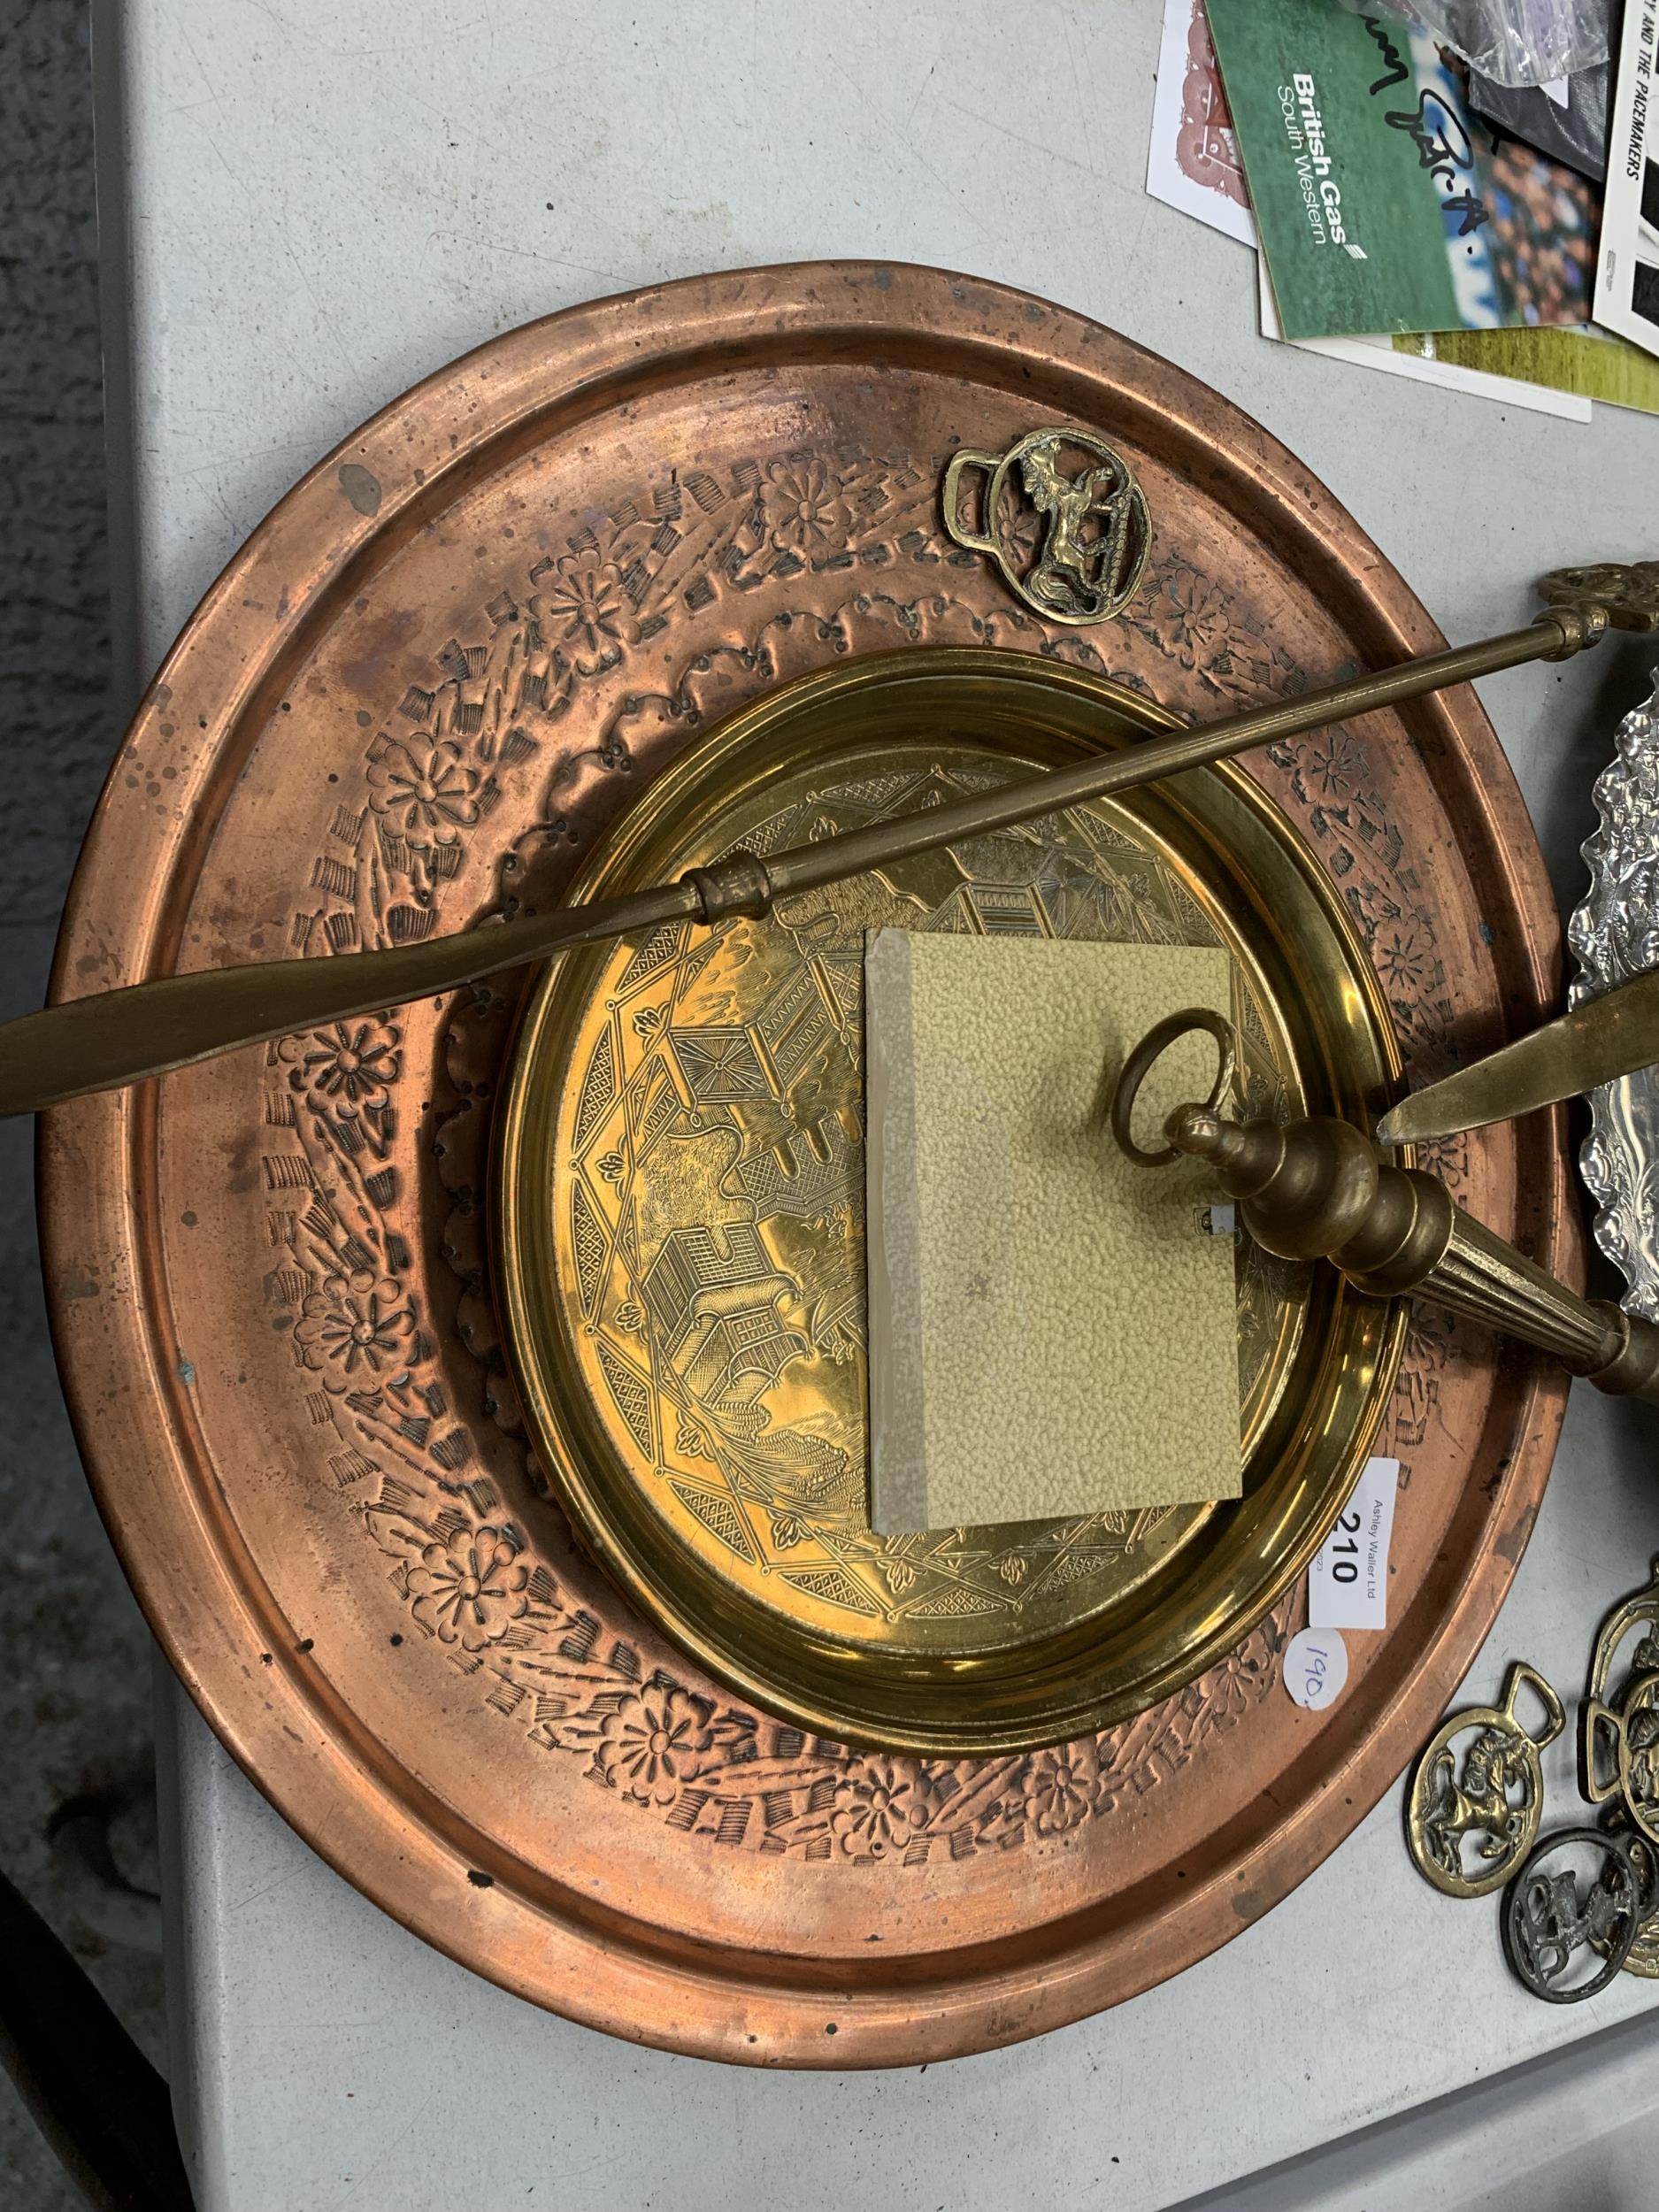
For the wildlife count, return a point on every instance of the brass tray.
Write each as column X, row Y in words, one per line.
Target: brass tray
column 455, row 653
column 680, row 1213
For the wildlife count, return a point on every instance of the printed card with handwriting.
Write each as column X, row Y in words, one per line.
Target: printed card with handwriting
column 1383, row 203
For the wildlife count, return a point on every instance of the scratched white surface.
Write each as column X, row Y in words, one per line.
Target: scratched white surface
column 323, row 204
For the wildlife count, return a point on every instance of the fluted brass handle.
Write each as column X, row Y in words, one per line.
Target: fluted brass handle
column 1317, row 1189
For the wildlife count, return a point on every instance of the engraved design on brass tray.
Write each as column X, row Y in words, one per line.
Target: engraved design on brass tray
column 684, row 543
column 704, row 1563
column 1062, row 517
column 712, row 1197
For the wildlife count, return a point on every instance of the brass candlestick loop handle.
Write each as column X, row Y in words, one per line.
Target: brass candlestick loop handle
column 1317, row 1189
column 1151, row 1047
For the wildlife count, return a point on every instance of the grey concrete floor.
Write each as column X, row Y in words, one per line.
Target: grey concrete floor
column 74, row 1654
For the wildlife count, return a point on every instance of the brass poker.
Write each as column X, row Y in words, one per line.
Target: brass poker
column 113, row 1038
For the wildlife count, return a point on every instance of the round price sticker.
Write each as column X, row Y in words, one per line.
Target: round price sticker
column 1315, row 1667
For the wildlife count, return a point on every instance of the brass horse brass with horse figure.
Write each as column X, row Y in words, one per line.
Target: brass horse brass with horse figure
column 1495, row 1799
column 1551, row 1917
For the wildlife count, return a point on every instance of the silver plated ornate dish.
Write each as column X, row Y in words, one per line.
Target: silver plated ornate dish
column 1615, row 935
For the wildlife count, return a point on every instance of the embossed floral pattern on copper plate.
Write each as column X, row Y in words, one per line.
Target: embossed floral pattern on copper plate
column 398, row 712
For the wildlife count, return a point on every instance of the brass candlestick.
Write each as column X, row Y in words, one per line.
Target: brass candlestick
column 1317, row 1189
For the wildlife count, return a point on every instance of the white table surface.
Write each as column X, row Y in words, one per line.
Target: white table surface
column 309, row 206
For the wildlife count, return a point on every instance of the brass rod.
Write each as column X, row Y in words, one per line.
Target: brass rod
column 113, row 1038
column 1552, row 636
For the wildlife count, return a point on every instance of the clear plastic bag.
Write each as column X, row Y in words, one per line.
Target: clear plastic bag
column 1573, row 131
column 1512, row 42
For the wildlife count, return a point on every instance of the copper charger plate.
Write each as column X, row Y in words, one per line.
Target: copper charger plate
column 447, row 661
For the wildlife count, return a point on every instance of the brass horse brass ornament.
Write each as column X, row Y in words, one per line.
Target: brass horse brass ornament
column 1642, row 1959
column 1071, row 540
column 1618, row 1744
column 1554, row 1913
column 1489, row 1795
column 1618, row 1754
column 1628, row 1734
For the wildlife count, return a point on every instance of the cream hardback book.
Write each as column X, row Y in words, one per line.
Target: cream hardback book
column 1052, row 1328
